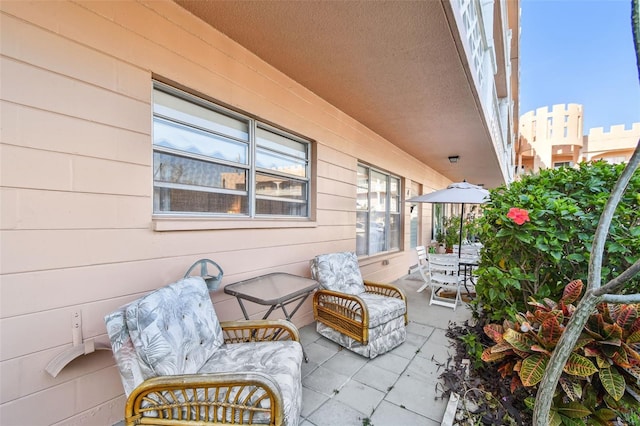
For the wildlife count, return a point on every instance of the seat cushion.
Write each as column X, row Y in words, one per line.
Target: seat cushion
column 382, row 309
column 281, row 360
column 175, row 329
column 338, row 272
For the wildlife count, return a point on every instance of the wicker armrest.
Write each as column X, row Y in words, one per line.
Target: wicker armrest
column 343, row 312
column 238, row 398
column 388, row 290
column 258, row 331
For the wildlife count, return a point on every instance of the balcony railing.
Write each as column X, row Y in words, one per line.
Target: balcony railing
column 475, row 23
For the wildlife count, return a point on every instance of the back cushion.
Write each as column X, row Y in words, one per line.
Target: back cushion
column 175, row 329
column 338, row 272
column 133, row 370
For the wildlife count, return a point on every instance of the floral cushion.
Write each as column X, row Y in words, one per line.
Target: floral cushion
column 132, row 370
column 382, row 309
column 338, row 272
column 382, row 338
column 281, row 360
column 175, row 329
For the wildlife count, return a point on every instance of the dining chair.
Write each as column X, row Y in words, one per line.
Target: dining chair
column 445, row 280
column 423, row 267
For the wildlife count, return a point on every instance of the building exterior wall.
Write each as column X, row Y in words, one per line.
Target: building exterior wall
column 546, row 134
column 549, row 138
column 77, row 232
column 616, row 145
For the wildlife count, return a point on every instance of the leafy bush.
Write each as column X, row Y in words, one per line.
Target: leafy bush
column 604, row 364
column 537, row 235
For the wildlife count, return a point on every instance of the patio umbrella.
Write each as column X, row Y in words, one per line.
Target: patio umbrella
column 459, row 192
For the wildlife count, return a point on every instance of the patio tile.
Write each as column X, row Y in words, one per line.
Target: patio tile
column 409, row 348
column 329, row 344
column 325, row 381
column 425, row 369
column 391, row 362
column 360, row 396
column 334, row 413
column 420, row 329
column 390, row 414
column 376, row 377
column 318, row 353
column 418, row 396
column 311, row 400
column 345, row 362
column 308, row 368
column 308, row 334
column 401, row 384
column 438, row 347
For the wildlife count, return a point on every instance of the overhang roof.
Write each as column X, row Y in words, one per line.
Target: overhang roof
column 395, row 66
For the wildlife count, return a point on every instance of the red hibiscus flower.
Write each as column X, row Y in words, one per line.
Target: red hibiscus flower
column 519, row 216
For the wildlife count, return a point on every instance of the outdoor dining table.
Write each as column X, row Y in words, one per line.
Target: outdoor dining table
column 467, row 265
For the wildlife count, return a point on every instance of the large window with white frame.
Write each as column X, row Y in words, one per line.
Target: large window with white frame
column 210, row 161
column 378, row 219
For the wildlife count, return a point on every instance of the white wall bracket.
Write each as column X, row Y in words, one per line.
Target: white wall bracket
column 79, row 346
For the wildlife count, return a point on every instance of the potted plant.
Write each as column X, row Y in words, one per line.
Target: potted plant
column 452, row 233
column 440, row 239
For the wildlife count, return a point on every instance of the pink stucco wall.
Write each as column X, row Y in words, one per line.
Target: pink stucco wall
column 77, row 232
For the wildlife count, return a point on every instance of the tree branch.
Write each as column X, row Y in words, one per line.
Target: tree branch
column 618, row 281
column 595, row 264
column 621, row 298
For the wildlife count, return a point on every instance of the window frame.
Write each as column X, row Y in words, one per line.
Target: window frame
column 193, row 220
column 387, row 243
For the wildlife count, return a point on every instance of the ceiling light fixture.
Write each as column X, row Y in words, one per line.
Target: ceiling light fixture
column 454, row 159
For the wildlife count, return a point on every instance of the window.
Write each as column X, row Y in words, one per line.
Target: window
column 414, row 218
column 210, row 161
column 378, row 220
column 559, row 164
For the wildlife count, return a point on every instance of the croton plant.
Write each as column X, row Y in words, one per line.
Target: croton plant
column 604, row 364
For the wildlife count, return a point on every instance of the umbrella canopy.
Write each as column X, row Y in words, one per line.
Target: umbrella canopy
column 459, row 192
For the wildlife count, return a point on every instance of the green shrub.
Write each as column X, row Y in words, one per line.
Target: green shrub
column 602, row 368
column 534, row 258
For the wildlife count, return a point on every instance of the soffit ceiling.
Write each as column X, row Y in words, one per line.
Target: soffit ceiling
column 394, row 66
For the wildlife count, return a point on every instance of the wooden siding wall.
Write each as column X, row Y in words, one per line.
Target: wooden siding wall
column 76, row 189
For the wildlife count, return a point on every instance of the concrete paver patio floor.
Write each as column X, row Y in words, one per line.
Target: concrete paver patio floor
column 401, row 387
column 398, row 388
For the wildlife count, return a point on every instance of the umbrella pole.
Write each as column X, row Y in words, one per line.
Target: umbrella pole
column 460, row 235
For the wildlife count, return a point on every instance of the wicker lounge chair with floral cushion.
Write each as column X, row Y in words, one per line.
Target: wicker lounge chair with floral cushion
column 365, row 317
column 178, row 363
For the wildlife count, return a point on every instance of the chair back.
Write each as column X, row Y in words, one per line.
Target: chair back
column 338, row 272
column 423, row 266
column 172, row 330
column 467, row 250
column 444, row 269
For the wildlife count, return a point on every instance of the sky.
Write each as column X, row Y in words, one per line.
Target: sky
column 580, row 51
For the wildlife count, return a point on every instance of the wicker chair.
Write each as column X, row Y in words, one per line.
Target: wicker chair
column 365, row 317
column 179, row 365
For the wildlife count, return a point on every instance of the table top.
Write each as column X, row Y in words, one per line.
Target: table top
column 271, row 289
